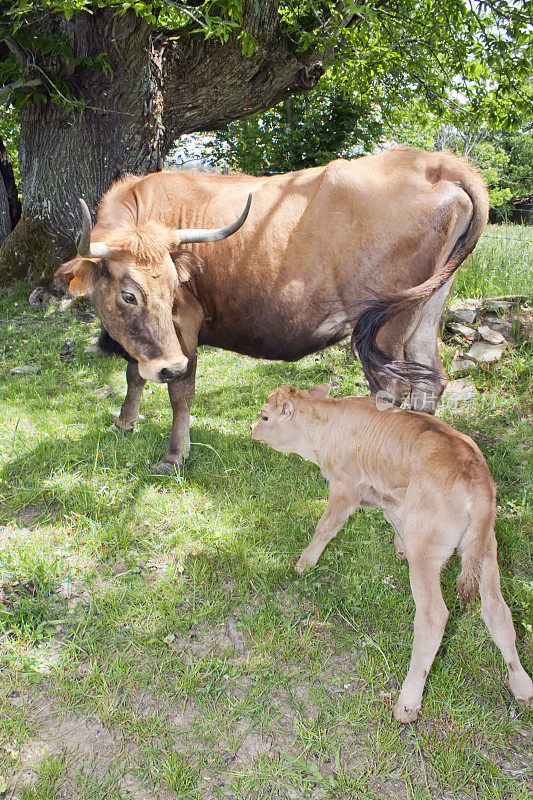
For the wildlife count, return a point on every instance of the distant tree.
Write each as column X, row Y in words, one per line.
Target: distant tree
column 519, row 175
column 303, row 131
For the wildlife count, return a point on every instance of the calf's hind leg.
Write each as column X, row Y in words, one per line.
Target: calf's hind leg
column 497, row 617
column 431, row 616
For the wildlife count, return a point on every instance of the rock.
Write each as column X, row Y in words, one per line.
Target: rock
column 485, row 352
column 464, row 312
column 26, row 370
column 41, row 299
column 463, row 330
column 503, row 302
column 490, row 335
column 102, row 392
column 459, row 391
column 502, row 326
column 459, row 364
column 525, row 317
column 67, row 353
column 66, row 301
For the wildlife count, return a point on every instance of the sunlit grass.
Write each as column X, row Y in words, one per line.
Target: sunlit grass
column 119, row 586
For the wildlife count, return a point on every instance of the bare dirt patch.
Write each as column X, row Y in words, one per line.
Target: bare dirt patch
column 89, row 747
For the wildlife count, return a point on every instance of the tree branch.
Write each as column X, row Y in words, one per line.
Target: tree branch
column 207, row 84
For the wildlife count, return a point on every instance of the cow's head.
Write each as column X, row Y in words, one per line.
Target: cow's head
column 131, row 277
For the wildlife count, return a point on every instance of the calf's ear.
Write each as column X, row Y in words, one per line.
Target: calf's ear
column 77, row 276
column 287, row 409
column 322, row 390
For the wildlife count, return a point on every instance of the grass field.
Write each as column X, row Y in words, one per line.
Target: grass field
column 156, row 642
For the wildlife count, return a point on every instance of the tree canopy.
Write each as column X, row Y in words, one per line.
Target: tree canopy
column 458, row 53
column 103, row 87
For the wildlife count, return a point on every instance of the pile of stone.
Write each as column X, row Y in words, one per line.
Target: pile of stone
column 484, row 329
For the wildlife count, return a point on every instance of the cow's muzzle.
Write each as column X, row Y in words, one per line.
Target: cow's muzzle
column 163, row 371
column 168, row 374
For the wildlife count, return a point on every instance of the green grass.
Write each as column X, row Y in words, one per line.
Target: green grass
column 119, row 677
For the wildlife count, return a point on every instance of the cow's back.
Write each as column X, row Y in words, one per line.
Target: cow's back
column 316, row 243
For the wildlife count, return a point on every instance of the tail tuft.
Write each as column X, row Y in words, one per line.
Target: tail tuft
column 468, row 581
column 374, row 360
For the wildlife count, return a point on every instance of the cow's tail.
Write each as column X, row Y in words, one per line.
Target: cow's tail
column 383, row 307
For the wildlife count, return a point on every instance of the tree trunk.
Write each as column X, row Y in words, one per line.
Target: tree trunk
column 66, row 155
column 10, row 207
column 162, row 86
column 5, row 217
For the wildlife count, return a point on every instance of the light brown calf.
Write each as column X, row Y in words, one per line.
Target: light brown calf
column 435, row 489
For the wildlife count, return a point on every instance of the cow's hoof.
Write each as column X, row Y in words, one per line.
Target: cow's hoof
column 165, row 468
column 114, row 428
column 405, row 715
column 125, row 427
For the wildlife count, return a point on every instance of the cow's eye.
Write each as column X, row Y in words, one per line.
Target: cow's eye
column 264, row 417
column 130, row 298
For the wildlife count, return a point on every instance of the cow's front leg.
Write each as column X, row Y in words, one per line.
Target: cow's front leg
column 129, row 412
column 181, row 393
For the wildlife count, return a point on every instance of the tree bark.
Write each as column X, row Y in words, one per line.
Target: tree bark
column 162, row 86
column 10, row 207
column 65, row 154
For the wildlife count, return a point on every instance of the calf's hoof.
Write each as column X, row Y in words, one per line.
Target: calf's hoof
column 405, row 715
column 304, row 562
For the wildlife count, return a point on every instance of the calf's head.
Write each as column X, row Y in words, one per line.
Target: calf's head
column 131, row 274
column 282, row 422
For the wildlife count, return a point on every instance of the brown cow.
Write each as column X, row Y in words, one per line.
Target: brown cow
column 435, row 489
column 369, row 245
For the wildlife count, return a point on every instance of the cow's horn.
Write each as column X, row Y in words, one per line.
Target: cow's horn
column 187, row 236
column 84, row 246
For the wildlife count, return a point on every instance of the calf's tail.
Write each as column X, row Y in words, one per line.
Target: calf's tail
column 383, row 307
column 476, row 541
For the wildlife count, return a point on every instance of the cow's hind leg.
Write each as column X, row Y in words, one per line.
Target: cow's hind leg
column 181, row 394
column 497, row 618
column 129, row 412
column 421, row 347
column 391, row 340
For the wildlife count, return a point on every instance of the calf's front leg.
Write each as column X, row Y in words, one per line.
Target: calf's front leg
column 338, row 510
column 181, row 394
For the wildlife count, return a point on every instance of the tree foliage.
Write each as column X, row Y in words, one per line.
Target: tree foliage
column 456, row 53
column 303, row 131
column 104, row 87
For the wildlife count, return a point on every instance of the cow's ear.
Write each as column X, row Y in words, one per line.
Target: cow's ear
column 77, row 276
column 322, row 390
column 187, row 264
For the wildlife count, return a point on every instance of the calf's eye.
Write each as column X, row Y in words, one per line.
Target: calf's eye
column 130, row 298
column 264, row 417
